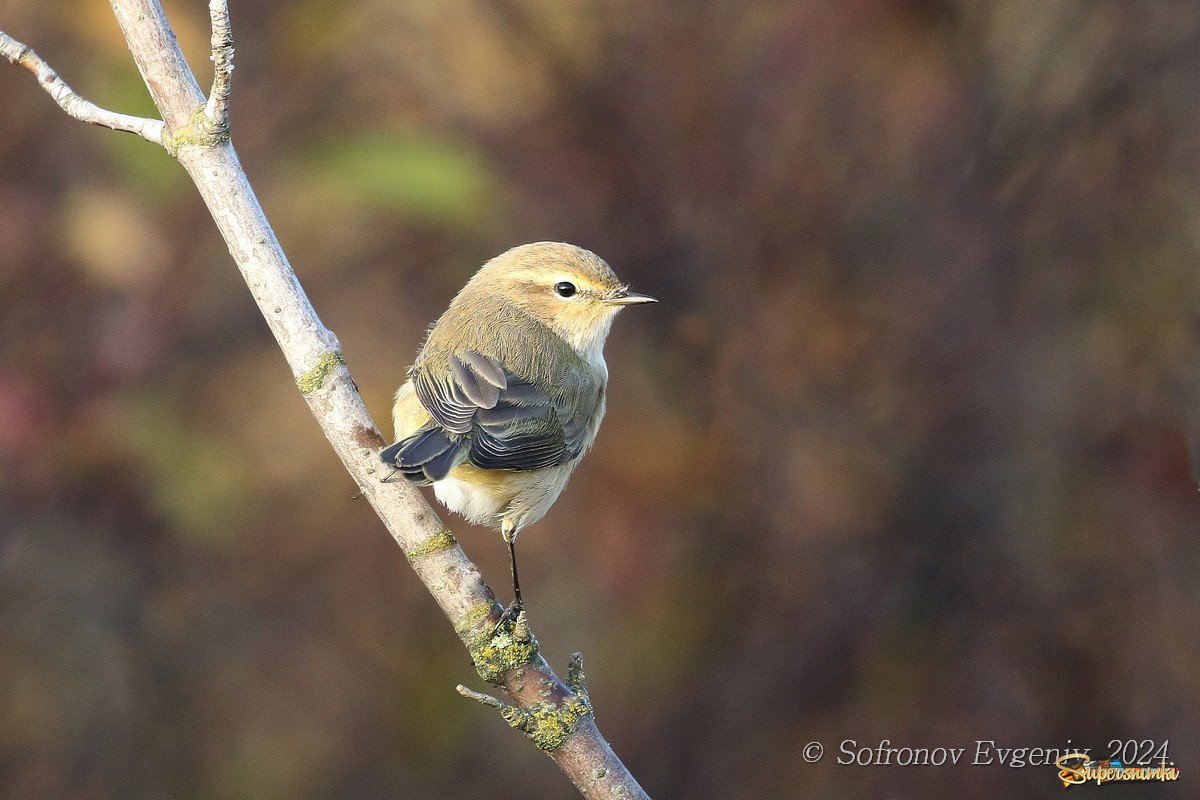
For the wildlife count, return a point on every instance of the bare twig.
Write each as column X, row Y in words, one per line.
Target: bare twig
column 72, row 103
column 556, row 715
column 485, row 699
column 217, row 107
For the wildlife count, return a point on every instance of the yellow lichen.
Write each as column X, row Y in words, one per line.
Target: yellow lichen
column 495, row 653
column 549, row 725
column 199, row 132
column 315, row 378
column 442, row 540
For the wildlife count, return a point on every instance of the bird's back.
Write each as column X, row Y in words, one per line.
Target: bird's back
column 502, row 330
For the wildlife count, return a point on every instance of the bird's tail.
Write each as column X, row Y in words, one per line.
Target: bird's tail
column 426, row 456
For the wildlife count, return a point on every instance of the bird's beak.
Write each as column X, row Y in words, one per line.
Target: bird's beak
column 628, row 298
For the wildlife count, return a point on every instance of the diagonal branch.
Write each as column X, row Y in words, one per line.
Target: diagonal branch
column 556, row 715
column 72, row 103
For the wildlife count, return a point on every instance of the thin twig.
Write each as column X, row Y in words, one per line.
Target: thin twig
column 485, row 699
column 72, row 103
column 217, row 107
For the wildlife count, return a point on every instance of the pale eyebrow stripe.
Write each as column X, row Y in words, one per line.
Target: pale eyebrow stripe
column 581, row 281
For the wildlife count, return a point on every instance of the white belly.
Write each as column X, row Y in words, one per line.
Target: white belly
column 517, row 499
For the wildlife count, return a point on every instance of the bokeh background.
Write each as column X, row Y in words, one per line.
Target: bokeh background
column 902, row 454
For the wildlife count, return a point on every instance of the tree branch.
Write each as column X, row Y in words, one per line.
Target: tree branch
column 72, row 103
column 556, row 716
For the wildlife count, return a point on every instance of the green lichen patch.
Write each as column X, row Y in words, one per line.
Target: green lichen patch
column 495, row 653
column 442, row 540
column 199, row 132
column 472, row 619
column 549, row 725
column 314, row 379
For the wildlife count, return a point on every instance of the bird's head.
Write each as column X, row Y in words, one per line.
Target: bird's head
column 568, row 289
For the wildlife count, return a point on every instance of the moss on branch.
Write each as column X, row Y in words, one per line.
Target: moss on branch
column 314, row 378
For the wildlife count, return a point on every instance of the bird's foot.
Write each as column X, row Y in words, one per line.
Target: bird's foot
column 509, row 617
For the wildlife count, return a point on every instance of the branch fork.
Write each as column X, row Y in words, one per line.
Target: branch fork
column 209, row 126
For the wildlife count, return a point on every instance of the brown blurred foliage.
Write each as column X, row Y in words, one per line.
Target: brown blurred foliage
column 902, row 454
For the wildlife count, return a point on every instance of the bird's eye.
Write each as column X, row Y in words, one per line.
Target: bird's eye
column 564, row 289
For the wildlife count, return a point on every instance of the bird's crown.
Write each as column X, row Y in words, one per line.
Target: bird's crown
column 543, row 265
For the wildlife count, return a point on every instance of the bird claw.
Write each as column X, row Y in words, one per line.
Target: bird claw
column 509, row 616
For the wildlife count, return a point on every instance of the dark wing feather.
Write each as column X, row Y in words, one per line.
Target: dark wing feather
column 487, row 368
column 479, row 391
column 526, row 430
column 474, row 382
column 506, row 421
column 543, row 446
column 451, row 409
column 426, row 456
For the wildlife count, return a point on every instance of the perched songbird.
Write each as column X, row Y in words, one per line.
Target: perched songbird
column 507, row 392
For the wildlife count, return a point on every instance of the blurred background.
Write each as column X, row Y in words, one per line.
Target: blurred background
column 902, row 454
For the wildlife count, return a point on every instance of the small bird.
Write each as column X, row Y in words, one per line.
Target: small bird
column 508, row 390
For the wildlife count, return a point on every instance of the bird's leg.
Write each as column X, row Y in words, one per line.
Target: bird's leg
column 510, row 613
column 512, row 555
